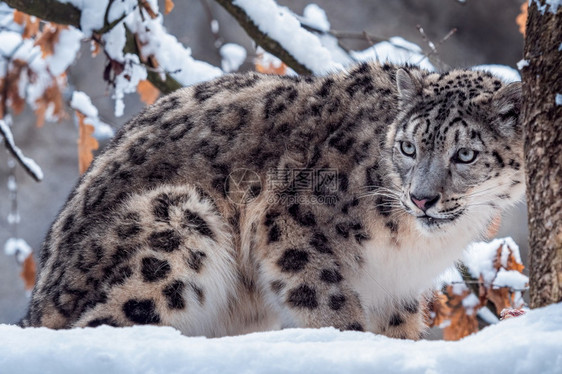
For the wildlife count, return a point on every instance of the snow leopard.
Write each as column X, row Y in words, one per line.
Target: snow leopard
column 257, row 202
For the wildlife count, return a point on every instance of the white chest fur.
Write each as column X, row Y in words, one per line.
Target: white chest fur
column 399, row 269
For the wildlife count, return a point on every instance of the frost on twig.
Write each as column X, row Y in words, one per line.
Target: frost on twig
column 27, row 163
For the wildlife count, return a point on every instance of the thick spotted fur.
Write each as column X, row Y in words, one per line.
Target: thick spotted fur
column 155, row 233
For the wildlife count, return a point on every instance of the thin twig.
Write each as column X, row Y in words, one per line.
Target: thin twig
column 364, row 35
column 372, row 39
column 433, row 48
column 449, row 34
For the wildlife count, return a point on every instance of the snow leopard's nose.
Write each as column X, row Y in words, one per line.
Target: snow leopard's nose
column 425, row 202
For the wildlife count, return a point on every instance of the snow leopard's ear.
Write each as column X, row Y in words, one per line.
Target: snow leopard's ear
column 507, row 109
column 409, row 86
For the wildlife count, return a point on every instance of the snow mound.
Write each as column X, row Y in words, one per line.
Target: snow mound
column 526, row 344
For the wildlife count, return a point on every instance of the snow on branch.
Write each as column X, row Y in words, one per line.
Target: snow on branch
column 27, row 163
column 93, row 18
column 82, row 103
column 164, row 52
column 279, row 32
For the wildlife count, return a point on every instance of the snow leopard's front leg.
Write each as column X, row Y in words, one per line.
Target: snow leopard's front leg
column 303, row 274
column 404, row 321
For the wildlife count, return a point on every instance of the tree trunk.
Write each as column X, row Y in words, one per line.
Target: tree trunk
column 542, row 116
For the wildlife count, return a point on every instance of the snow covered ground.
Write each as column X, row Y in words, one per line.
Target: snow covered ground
column 528, row 344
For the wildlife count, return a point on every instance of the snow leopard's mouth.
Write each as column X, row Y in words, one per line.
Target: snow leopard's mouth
column 428, row 220
column 432, row 221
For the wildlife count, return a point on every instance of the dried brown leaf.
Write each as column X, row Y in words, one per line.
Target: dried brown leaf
column 30, row 23
column 28, row 272
column 502, row 297
column 438, row 310
column 462, row 323
column 112, row 70
column 86, row 143
column 521, row 19
column 512, row 263
column 148, row 93
column 266, row 67
column 146, row 6
column 52, row 98
column 10, row 86
column 153, row 62
column 169, row 5
column 48, row 38
column 19, row 17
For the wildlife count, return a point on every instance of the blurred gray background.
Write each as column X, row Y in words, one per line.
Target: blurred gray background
column 487, row 34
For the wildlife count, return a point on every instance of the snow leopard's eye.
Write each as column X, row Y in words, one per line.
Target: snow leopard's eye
column 465, row 156
column 408, row 148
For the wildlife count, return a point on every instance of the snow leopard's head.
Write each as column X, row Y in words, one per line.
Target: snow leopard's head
column 456, row 147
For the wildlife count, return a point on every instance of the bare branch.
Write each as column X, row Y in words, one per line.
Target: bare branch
column 49, row 10
column 262, row 39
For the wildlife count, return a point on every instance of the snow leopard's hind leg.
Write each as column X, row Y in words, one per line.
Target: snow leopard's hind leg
column 179, row 269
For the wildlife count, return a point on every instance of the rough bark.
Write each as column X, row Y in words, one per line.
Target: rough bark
column 542, row 81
